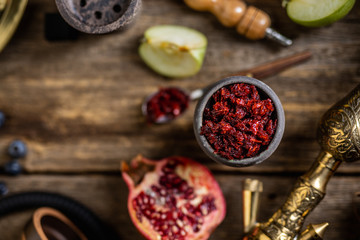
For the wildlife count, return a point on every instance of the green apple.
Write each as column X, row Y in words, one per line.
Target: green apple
column 173, row 51
column 317, row 13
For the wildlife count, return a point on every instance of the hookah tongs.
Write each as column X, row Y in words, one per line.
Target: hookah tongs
column 339, row 137
column 249, row 21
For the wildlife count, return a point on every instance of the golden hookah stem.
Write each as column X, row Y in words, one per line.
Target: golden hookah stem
column 249, row 21
column 339, row 137
column 308, row 191
column 339, row 129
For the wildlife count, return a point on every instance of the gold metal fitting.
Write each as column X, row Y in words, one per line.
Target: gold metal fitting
column 252, row 189
column 314, row 232
column 339, row 137
column 11, row 12
column 2, row 4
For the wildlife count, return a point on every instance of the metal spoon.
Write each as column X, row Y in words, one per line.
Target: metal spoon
column 259, row 72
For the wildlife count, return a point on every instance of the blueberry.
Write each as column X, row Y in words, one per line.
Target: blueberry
column 3, row 189
column 17, row 149
column 13, row 167
column 2, row 119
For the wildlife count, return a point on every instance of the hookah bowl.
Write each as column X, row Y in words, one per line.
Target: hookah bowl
column 339, row 137
column 205, row 101
column 98, row 17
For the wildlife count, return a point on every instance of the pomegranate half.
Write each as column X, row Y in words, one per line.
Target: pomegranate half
column 174, row 198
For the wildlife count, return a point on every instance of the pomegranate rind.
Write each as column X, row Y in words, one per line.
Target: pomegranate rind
column 195, row 174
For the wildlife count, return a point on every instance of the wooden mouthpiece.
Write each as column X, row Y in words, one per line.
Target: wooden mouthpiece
column 251, row 22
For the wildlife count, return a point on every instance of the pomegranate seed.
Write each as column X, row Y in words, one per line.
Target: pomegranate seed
column 177, row 180
column 155, row 188
column 196, row 228
column 204, row 210
column 179, row 223
column 163, row 192
column 189, row 193
column 175, row 229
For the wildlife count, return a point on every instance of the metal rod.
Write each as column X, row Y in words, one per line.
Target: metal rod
column 277, row 37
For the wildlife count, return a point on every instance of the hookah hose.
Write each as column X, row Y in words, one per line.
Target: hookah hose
column 92, row 227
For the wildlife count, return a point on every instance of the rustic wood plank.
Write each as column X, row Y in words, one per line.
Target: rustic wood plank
column 77, row 104
column 107, row 196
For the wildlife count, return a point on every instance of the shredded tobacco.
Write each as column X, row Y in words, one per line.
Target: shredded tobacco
column 239, row 124
column 167, row 103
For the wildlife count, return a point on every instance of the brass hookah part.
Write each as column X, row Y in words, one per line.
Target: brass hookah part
column 252, row 189
column 339, row 138
column 11, row 12
column 2, row 4
column 249, row 21
column 314, row 232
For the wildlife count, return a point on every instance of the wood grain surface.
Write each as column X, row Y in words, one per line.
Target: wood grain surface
column 107, row 195
column 77, row 106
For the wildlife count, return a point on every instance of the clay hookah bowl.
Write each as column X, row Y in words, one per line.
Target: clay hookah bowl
column 339, row 138
column 264, row 91
column 97, row 17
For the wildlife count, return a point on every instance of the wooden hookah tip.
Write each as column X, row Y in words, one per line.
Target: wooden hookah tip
column 251, row 22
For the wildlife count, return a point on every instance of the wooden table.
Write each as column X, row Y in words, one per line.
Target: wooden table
column 77, row 106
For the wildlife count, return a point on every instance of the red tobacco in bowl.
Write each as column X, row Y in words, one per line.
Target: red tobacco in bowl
column 166, row 104
column 238, row 123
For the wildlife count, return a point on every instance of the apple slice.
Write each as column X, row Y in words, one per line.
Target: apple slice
column 173, row 51
column 317, row 13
